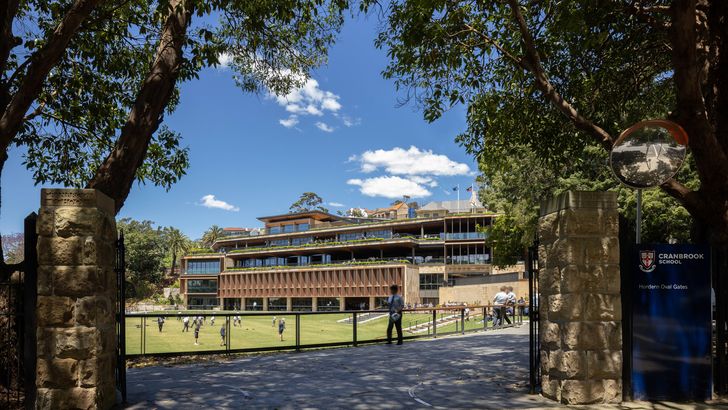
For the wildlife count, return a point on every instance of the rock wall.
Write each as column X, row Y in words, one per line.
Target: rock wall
column 76, row 300
column 579, row 298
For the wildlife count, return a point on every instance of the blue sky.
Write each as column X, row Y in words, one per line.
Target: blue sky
column 255, row 158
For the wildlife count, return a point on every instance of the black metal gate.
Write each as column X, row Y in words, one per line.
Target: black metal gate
column 18, row 288
column 120, row 270
column 533, row 320
column 720, row 317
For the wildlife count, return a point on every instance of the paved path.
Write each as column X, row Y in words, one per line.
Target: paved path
column 480, row 370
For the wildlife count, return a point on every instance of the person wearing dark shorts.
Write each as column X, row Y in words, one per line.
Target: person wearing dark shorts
column 197, row 332
column 160, row 323
column 223, row 342
column 396, row 304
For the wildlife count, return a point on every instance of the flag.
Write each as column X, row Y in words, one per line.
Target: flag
column 470, row 188
column 455, row 188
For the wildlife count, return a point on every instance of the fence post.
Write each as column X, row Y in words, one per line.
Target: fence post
column 227, row 333
column 462, row 321
column 144, row 334
column 354, row 327
column 434, row 323
column 298, row 332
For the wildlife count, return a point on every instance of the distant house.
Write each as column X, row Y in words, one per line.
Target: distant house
column 437, row 209
column 398, row 211
column 241, row 231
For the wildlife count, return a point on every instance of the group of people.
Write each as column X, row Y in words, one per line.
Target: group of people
column 504, row 301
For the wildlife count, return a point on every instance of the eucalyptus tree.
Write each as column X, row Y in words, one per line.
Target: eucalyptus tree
column 85, row 84
column 556, row 77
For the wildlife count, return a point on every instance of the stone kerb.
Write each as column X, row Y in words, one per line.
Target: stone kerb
column 579, row 294
column 76, row 300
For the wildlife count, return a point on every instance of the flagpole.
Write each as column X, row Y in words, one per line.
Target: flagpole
column 458, row 198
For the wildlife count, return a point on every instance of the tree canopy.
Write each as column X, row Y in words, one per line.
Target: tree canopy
column 308, row 201
column 553, row 79
column 85, row 84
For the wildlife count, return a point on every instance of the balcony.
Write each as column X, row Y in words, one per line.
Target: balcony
column 463, row 236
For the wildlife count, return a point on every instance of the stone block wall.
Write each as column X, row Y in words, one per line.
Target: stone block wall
column 579, row 298
column 76, row 300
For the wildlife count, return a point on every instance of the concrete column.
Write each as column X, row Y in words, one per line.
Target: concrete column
column 242, row 303
column 314, row 304
column 342, row 304
column 289, row 304
column 76, row 334
column 265, row 304
column 372, row 302
column 579, row 298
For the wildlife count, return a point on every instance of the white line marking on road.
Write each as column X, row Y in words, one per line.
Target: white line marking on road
column 412, row 394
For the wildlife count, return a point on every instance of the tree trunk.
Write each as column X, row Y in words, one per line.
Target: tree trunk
column 118, row 171
column 174, row 262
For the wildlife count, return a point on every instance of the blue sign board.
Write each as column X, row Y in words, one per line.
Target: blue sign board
column 671, row 323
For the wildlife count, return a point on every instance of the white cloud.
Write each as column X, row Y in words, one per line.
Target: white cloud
column 289, row 122
column 324, row 127
column 209, row 201
column 309, row 99
column 224, row 60
column 412, row 161
column 349, row 121
column 390, row 187
column 423, row 180
column 336, row 204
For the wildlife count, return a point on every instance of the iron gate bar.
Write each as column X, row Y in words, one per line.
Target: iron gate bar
column 120, row 270
column 534, row 351
column 30, row 297
column 720, row 287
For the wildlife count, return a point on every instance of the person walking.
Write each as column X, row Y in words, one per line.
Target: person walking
column 281, row 327
column 223, row 342
column 511, row 303
column 395, row 304
column 197, row 331
column 186, row 324
column 274, row 322
column 160, row 323
column 212, row 321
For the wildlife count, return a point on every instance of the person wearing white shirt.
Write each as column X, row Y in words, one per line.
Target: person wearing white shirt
column 500, row 300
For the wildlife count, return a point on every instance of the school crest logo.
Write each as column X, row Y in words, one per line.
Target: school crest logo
column 647, row 261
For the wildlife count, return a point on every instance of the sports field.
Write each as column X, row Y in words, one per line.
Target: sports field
column 254, row 332
column 260, row 331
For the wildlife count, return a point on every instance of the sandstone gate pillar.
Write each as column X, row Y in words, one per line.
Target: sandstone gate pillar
column 76, row 300
column 579, row 298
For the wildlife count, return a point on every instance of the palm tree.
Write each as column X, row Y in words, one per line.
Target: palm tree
column 177, row 243
column 211, row 235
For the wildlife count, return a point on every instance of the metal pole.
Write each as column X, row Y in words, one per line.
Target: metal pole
column 298, row 332
column 354, row 327
column 462, row 321
column 638, row 230
column 434, row 323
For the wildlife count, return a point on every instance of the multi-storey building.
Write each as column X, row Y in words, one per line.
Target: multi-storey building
column 318, row 261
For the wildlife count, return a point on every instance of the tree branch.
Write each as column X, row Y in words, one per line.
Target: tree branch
column 542, row 82
column 7, row 39
column 688, row 198
column 42, row 61
column 691, row 112
column 116, row 174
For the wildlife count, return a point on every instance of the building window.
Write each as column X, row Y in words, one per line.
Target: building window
column 304, row 260
column 302, row 227
column 431, row 281
column 203, row 267
column 343, row 237
column 384, row 233
column 289, row 228
column 301, row 241
column 274, row 230
column 279, row 242
column 201, row 286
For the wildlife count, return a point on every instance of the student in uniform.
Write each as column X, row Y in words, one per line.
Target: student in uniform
column 197, row 331
column 281, row 327
column 396, row 304
column 223, row 342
